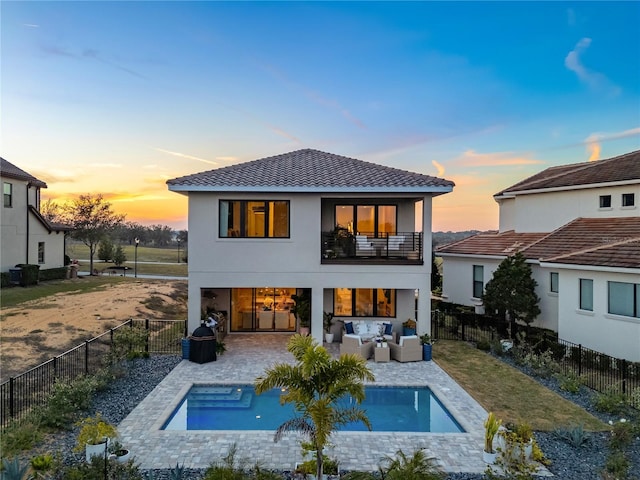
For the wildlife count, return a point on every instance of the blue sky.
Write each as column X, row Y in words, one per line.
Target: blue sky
column 118, row 97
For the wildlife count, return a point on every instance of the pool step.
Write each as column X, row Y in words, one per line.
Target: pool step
column 233, row 400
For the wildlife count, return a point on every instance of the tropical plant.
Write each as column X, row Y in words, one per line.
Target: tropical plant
column 13, row 469
column 93, row 431
column 327, row 321
column 302, row 307
column 409, row 323
column 575, row 435
column 425, row 339
column 491, row 426
column 416, row 466
column 314, row 384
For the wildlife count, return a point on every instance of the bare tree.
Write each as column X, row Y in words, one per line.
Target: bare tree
column 92, row 219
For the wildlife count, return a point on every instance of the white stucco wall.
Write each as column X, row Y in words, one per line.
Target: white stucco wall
column 507, row 214
column 296, row 261
column 544, row 212
column 614, row 335
column 16, row 222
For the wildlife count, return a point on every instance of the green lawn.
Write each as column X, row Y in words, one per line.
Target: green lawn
column 508, row 393
column 145, row 254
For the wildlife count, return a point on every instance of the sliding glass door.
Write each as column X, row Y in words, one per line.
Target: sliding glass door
column 263, row 309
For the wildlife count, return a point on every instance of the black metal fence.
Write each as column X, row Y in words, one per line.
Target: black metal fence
column 30, row 389
column 597, row 370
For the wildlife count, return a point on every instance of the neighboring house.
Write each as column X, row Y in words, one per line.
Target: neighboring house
column 579, row 228
column 27, row 237
column 356, row 235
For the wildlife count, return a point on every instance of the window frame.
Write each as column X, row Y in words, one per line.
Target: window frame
column 581, row 300
column 477, row 283
column 374, row 301
column 7, row 201
column 269, row 212
column 605, row 201
column 628, row 200
column 554, row 278
column 376, row 217
column 635, row 299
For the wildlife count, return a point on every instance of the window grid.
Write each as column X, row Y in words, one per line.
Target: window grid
column 624, row 299
column 605, row 201
column 7, row 190
column 553, row 282
column 628, row 199
column 350, row 302
column 478, row 281
column 40, row 252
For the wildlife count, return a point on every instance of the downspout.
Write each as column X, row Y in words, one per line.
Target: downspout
column 27, row 210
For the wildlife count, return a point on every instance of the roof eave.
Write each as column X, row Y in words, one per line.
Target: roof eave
column 594, row 268
column 435, row 190
column 513, row 193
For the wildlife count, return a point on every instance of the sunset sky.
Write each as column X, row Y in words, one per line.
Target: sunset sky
column 117, row 97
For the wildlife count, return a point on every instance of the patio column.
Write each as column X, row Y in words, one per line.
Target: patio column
column 316, row 313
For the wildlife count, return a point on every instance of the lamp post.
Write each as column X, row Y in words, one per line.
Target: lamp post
column 178, row 251
column 135, row 258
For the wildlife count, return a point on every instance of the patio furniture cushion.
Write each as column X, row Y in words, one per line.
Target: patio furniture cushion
column 388, row 329
column 348, row 327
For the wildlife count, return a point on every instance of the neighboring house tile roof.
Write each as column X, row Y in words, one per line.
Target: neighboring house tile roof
column 621, row 169
column 9, row 170
column 310, row 171
column 611, row 242
column 491, row 243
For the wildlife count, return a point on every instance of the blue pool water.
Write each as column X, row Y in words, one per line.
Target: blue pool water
column 237, row 407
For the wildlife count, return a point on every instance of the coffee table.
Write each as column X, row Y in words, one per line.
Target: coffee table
column 381, row 354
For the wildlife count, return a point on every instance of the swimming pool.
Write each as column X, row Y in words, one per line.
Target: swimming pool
column 237, row 407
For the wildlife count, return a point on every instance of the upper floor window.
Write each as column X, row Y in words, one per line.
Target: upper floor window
column 7, row 190
column 628, row 199
column 624, row 299
column 40, row 252
column 364, row 302
column 605, row 201
column 367, row 219
column 478, row 281
column 254, row 218
column 586, row 294
column 553, row 282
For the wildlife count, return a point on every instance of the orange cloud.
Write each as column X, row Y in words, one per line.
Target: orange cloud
column 470, row 158
column 439, row 167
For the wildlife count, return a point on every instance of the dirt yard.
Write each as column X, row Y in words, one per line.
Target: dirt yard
column 39, row 330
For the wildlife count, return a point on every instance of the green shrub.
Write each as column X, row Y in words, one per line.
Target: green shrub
column 575, row 435
column 29, row 275
column 622, row 435
column 14, row 469
column 42, row 463
column 483, row 345
column 95, row 470
column 617, row 464
column 569, row 382
column 20, row 436
column 611, row 401
column 67, row 399
column 59, row 273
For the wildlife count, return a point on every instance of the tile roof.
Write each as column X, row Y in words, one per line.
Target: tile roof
column 9, row 170
column 312, row 171
column 624, row 168
column 491, row 243
column 613, row 242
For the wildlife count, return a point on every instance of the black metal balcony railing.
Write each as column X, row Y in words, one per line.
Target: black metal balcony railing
column 339, row 246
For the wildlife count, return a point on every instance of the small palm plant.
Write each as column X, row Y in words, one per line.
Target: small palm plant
column 314, row 385
column 491, row 427
column 416, row 466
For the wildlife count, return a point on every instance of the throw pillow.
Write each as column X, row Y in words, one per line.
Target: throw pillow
column 388, row 329
column 348, row 326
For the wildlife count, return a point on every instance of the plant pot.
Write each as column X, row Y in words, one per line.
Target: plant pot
column 98, row 450
column 328, row 337
column 489, row 458
column 122, row 455
column 385, row 345
column 426, row 352
column 406, row 331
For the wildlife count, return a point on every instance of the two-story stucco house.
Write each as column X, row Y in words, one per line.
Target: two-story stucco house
column 579, row 227
column 27, row 237
column 354, row 235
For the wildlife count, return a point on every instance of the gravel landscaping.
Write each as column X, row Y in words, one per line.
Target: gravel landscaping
column 567, row 462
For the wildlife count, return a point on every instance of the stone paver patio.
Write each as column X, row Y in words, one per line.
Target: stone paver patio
column 246, row 358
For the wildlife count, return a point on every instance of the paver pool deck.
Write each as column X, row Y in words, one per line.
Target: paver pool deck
column 246, row 358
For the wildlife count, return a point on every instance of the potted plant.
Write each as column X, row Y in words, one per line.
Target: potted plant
column 425, row 340
column 409, row 327
column 384, row 343
column 302, row 310
column 491, row 426
column 94, row 435
column 118, row 452
column 327, row 322
column 516, row 442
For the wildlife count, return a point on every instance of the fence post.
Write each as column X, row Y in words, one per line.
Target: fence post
column 579, row 359
column 146, row 326
column 186, row 327
column 55, row 367
column 624, row 376
column 11, row 396
column 86, row 357
column 463, row 323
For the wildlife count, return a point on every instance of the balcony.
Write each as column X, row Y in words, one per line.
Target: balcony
column 340, row 247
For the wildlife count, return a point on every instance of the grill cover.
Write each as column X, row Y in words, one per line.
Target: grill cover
column 202, row 345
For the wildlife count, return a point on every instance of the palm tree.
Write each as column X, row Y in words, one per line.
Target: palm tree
column 314, row 385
